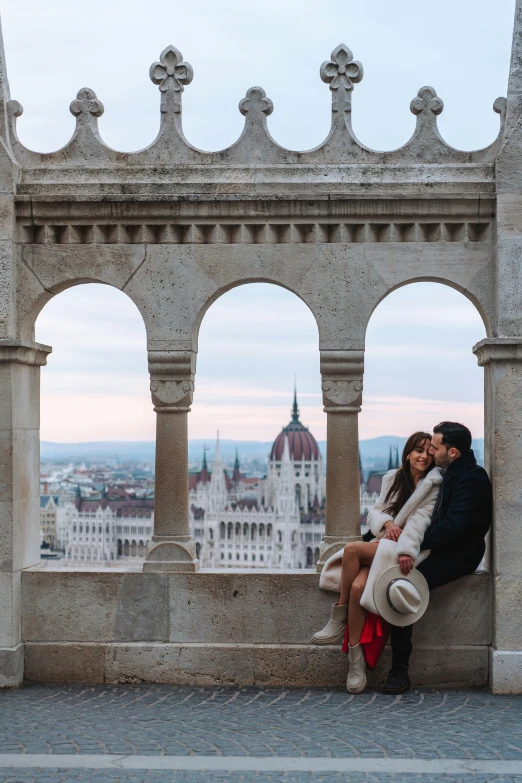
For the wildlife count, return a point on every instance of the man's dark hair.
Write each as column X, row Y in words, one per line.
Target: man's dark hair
column 454, row 435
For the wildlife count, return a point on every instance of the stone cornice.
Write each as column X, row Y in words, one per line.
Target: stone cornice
column 24, row 352
column 498, row 349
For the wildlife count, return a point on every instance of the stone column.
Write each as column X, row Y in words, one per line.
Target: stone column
column 342, row 377
column 502, row 362
column 20, row 364
column 172, row 386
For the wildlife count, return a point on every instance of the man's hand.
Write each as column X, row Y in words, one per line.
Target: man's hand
column 406, row 564
column 393, row 531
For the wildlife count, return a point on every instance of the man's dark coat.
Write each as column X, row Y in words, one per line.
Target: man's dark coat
column 462, row 515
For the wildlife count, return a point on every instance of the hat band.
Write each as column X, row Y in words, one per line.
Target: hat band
column 398, row 579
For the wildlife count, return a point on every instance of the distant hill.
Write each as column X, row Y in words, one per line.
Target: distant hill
column 374, row 451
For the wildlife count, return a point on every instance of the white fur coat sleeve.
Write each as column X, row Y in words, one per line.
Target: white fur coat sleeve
column 376, row 516
column 415, row 516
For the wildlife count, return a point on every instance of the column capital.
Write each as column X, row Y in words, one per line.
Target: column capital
column 498, row 349
column 24, row 352
column 342, row 380
column 172, row 380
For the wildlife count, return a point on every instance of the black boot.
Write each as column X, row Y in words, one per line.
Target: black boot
column 397, row 680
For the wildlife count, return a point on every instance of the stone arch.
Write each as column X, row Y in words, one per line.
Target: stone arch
column 238, row 283
column 65, row 277
column 134, row 548
column 126, row 548
column 477, row 298
column 222, row 531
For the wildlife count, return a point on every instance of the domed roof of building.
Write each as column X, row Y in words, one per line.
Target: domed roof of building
column 301, row 443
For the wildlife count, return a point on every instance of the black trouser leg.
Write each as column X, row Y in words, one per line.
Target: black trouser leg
column 438, row 570
column 401, row 645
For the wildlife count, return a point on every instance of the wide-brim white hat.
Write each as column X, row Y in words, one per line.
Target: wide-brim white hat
column 401, row 600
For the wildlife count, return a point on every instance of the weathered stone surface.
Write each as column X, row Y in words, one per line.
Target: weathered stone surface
column 64, row 663
column 505, row 671
column 174, row 227
column 11, row 666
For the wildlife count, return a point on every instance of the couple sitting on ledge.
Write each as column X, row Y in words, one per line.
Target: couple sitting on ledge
column 429, row 524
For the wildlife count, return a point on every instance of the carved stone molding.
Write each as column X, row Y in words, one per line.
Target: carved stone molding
column 254, row 233
column 172, row 380
column 330, row 545
column 498, row 349
column 172, row 554
column 24, row 352
column 342, row 380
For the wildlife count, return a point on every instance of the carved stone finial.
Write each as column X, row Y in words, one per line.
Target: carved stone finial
column 426, row 99
column 171, row 74
column 341, row 73
column 255, row 103
column 86, row 105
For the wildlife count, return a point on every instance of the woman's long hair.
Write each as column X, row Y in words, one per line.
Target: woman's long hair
column 403, row 486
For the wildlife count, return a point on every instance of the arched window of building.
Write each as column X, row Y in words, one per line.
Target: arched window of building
column 107, row 528
column 222, row 530
column 141, row 549
column 316, row 555
column 253, row 532
column 126, row 548
column 238, row 529
column 269, row 531
column 211, row 533
column 261, row 530
column 81, row 528
column 230, row 530
column 245, row 530
column 74, row 528
column 119, row 547
column 279, row 537
column 198, row 549
column 134, row 549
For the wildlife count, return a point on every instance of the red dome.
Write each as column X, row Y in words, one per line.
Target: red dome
column 301, row 442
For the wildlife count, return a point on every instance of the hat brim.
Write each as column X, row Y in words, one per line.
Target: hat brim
column 381, row 601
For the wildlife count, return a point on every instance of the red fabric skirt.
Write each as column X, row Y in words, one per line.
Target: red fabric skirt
column 373, row 638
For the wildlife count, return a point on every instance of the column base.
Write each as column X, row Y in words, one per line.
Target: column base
column 505, row 671
column 330, row 545
column 171, row 555
column 11, row 666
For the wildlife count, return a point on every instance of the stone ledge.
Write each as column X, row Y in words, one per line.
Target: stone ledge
column 242, row 664
column 220, row 607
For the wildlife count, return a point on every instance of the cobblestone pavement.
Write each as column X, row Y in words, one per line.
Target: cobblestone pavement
column 161, row 720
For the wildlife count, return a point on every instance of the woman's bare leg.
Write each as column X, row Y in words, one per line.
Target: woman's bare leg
column 356, row 613
column 354, row 556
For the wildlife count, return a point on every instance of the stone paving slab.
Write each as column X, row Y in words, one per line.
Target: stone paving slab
column 94, row 776
column 259, row 723
column 160, row 719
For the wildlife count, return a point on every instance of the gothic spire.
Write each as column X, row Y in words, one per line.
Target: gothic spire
column 295, row 409
column 390, row 460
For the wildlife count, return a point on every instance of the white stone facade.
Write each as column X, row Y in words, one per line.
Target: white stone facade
column 174, row 228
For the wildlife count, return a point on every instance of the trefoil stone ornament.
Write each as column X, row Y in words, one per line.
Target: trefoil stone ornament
column 341, row 73
column 255, row 103
column 427, row 99
column 86, row 108
column 171, row 74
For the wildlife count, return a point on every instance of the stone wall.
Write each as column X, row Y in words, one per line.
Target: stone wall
column 235, row 628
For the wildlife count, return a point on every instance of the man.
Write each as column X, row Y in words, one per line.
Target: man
column 461, row 518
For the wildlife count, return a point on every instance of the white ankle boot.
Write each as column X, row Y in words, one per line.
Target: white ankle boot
column 356, row 681
column 335, row 628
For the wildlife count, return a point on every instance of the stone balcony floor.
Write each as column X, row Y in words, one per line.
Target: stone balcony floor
column 159, row 733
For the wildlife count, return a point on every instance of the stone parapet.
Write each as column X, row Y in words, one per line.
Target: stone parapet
column 142, row 629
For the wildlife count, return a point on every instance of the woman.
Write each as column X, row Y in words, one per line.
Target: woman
column 401, row 514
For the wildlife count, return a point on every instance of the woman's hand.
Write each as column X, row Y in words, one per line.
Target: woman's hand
column 393, row 531
column 406, row 564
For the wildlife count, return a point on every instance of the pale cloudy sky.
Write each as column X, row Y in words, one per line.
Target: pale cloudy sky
column 419, row 366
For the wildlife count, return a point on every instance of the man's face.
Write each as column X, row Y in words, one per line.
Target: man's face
column 442, row 455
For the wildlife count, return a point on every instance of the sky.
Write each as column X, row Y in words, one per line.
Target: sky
column 419, row 366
